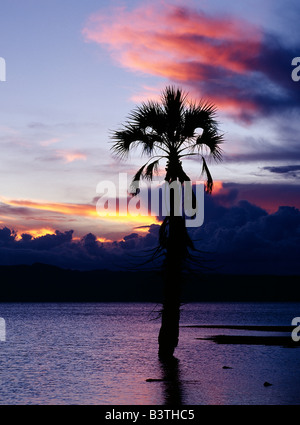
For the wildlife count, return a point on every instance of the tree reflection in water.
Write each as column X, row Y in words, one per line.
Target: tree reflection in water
column 171, row 381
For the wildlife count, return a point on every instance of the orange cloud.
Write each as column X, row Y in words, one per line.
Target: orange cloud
column 218, row 187
column 36, row 233
column 104, row 240
column 70, row 209
column 81, row 210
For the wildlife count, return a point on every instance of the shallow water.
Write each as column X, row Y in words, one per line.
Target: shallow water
column 103, row 354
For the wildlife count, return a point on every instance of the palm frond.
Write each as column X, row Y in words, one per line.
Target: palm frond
column 130, row 138
column 209, row 181
column 173, row 99
column 212, row 140
column 174, row 104
column 123, row 142
column 146, row 172
column 170, row 128
column 199, row 115
column 182, row 176
column 145, row 127
column 135, row 184
column 149, row 115
column 151, row 168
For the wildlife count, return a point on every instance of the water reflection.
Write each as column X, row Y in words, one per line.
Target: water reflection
column 100, row 354
column 172, row 386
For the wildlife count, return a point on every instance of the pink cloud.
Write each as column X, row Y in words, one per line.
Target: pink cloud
column 179, row 44
column 148, row 92
column 70, row 156
column 49, row 142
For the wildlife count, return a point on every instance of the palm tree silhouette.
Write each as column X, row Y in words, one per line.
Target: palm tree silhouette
column 171, row 130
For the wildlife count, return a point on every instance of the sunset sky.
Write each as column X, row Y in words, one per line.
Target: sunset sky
column 74, row 71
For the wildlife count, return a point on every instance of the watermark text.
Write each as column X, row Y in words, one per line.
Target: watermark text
column 157, row 199
column 296, row 71
column 2, row 69
column 296, row 331
column 2, row 330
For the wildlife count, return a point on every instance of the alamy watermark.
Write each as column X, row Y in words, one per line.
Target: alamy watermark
column 156, row 198
column 296, row 331
column 2, row 330
column 296, row 71
column 2, row 69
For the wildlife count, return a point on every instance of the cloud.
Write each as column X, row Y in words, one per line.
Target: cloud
column 6, row 236
column 62, row 250
column 174, row 32
column 241, row 67
column 49, row 142
column 237, row 236
column 267, row 196
column 48, row 241
column 244, row 238
column 38, row 216
column 70, row 156
column 232, row 62
column 57, row 207
column 290, row 170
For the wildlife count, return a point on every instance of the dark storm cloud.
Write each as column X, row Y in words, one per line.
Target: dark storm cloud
column 244, row 238
column 238, row 237
column 275, row 153
column 47, row 242
column 7, row 236
column 274, row 63
column 290, row 170
column 263, row 89
column 62, row 250
column 268, row 196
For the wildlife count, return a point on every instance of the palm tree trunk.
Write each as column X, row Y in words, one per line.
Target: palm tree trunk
column 176, row 244
column 169, row 331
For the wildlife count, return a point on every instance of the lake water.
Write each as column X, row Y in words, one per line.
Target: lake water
column 102, row 354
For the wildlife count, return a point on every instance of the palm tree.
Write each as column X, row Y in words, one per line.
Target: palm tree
column 169, row 131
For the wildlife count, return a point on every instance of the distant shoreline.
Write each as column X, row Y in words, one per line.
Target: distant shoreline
column 282, row 341
column 46, row 283
column 244, row 327
column 249, row 339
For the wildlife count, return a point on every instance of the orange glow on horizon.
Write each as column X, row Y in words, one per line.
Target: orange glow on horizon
column 82, row 210
column 218, row 187
column 36, row 233
column 72, row 209
column 141, row 229
column 103, row 240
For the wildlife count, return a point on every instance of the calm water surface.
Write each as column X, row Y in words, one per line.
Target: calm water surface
column 104, row 353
